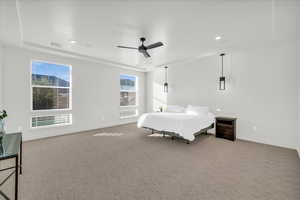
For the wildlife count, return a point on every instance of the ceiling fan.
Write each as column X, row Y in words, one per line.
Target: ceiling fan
column 143, row 49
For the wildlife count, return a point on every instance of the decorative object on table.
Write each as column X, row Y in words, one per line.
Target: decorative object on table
column 222, row 78
column 3, row 114
column 2, row 150
column 160, row 108
column 166, row 85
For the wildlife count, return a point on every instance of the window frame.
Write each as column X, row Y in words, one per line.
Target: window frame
column 129, row 116
column 51, row 125
column 129, row 107
column 31, row 88
column 136, row 91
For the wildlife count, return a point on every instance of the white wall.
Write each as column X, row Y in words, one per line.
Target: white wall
column 1, row 74
column 155, row 93
column 298, row 78
column 261, row 91
column 96, row 97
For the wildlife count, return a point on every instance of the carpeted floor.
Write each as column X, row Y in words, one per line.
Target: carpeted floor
column 129, row 165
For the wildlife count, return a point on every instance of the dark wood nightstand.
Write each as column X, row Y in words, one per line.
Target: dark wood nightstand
column 226, row 128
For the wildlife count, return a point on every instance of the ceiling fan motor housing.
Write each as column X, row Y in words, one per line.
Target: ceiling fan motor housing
column 143, row 39
column 142, row 48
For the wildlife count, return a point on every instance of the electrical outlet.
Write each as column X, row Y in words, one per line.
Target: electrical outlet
column 218, row 110
column 254, row 128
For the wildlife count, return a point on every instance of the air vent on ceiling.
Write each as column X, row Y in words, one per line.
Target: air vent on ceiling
column 55, row 44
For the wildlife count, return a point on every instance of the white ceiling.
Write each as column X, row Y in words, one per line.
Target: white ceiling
column 187, row 28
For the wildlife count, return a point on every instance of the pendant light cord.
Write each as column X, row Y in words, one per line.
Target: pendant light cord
column 222, row 65
column 222, row 55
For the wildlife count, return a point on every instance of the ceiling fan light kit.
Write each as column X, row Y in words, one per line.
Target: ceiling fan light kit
column 143, row 49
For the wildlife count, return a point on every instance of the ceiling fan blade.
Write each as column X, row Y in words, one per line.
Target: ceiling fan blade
column 157, row 44
column 124, row 47
column 146, row 54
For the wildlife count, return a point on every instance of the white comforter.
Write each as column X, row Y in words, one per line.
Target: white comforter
column 183, row 124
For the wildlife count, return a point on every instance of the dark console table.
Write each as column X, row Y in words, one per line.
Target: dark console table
column 11, row 148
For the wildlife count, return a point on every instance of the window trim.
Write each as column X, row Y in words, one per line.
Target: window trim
column 136, row 107
column 31, row 88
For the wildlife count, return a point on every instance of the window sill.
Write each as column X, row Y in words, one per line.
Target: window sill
column 128, row 117
column 52, row 110
column 133, row 106
column 50, row 126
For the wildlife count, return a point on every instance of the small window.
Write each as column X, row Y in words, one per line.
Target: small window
column 128, row 96
column 51, row 120
column 128, row 90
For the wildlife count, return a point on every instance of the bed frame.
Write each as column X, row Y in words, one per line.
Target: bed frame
column 175, row 135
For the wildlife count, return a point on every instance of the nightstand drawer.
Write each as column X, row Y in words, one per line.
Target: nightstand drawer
column 224, row 129
column 225, row 126
column 224, row 134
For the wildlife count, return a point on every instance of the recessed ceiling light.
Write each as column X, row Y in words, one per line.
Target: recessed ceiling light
column 73, row 41
column 218, row 38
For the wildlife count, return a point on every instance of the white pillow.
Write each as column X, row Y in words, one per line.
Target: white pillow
column 175, row 109
column 197, row 110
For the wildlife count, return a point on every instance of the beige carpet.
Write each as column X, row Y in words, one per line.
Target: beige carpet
column 134, row 166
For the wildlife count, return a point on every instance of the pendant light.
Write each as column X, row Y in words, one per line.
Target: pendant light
column 222, row 78
column 166, row 86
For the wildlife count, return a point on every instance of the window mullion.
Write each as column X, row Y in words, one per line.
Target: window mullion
column 49, row 86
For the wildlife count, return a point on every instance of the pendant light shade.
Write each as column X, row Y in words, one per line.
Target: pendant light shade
column 166, row 85
column 222, row 78
column 222, row 83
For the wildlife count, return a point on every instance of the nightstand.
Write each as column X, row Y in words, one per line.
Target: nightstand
column 226, row 128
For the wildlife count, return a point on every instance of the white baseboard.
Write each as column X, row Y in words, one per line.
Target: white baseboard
column 34, row 136
column 260, row 142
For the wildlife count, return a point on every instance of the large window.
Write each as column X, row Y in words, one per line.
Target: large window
column 51, row 89
column 128, row 96
column 51, row 86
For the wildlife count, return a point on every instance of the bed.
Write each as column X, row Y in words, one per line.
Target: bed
column 186, row 125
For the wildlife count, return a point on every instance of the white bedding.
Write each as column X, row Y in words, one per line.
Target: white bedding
column 183, row 124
